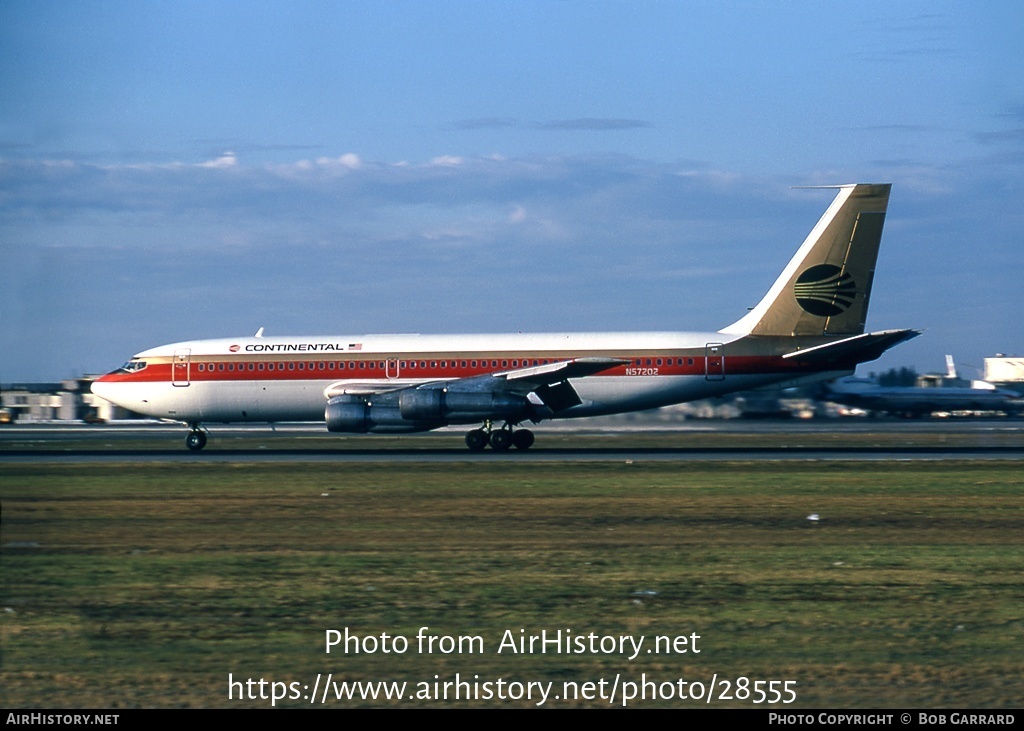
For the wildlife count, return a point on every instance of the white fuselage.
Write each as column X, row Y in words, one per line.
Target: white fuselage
column 290, row 379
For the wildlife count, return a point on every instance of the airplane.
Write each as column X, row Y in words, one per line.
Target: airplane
column 918, row 401
column 808, row 327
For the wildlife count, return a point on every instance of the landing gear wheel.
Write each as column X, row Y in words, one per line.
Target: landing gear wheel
column 195, row 441
column 476, row 440
column 522, row 439
column 501, row 440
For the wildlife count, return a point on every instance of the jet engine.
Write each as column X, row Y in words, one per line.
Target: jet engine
column 352, row 414
column 428, row 404
column 422, row 409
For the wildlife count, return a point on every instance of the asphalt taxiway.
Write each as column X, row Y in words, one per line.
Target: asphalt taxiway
column 871, row 440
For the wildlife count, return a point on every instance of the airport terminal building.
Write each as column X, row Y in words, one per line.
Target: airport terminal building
column 69, row 400
column 1005, row 371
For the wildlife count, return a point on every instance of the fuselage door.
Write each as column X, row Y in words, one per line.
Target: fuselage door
column 180, row 367
column 714, row 362
column 391, row 368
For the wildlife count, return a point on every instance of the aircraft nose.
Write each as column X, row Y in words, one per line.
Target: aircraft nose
column 103, row 388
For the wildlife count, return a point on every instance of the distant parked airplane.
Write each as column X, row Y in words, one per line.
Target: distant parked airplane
column 809, row 326
column 915, row 401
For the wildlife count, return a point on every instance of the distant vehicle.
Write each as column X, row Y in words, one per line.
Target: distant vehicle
column 6, row 417
column 809, row 326
column 918, row 401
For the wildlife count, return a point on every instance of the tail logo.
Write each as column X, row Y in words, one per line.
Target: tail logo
column 825, row 290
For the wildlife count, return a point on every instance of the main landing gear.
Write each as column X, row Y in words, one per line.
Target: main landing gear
column 196, row 438
column 499, row 439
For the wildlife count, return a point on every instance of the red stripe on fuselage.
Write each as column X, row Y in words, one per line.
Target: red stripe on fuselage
column 205, row 369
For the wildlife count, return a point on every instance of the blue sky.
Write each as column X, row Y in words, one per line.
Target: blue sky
column 176, row 170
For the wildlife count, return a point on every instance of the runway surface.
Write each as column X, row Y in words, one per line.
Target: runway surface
column 849, row 440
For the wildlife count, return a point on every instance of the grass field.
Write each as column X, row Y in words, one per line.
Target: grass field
column 146, row 585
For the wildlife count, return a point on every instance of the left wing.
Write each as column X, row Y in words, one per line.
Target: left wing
column 535, row 392
column 555, row 372
column 550, row 383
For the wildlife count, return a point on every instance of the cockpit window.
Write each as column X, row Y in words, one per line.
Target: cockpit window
column 133, row 365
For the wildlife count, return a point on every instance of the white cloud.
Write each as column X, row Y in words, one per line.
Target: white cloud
column 447, row 161
column 227, row 160
column 621, row 238
column 348, row 161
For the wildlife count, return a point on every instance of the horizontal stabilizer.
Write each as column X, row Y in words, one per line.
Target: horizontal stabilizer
column 855, row 349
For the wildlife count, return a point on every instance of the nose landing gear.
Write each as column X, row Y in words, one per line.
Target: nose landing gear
column 196, row 438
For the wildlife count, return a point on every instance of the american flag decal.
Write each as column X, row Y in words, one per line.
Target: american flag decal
column 355, row 346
